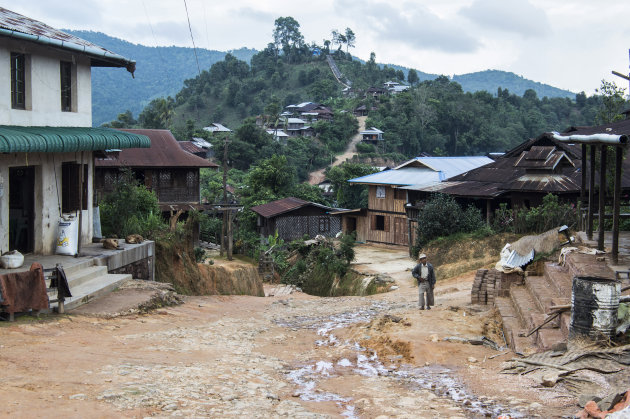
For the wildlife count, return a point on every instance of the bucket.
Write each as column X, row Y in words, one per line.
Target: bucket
column 594, row 305
column 67, row 236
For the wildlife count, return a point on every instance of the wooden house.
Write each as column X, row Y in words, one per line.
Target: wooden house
column 385, row 219
column 295, row 218
column 524, row 175
column 372, row 136
column 164, row 168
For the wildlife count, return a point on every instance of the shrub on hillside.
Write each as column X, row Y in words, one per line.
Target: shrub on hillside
column 442, row 216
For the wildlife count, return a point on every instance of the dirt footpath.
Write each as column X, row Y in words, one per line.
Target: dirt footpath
column 289, row 356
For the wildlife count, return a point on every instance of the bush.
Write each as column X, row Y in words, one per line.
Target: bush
column 365, row 148
column 551, row 213
column 130, row 209
column 442, row 216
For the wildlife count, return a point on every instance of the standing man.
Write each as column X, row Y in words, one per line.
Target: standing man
column 425, row 275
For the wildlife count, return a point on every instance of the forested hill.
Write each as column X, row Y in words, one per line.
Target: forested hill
column 160, row 71
column 491, row 80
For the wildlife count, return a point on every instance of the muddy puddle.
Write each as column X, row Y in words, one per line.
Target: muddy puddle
column 352, row 358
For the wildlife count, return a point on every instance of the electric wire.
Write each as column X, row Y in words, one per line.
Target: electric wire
column 192, row 38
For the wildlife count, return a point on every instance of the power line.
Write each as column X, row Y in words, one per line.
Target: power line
column 192, row 38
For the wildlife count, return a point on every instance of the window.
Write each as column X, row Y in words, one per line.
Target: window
column 71, row 187
column 18, row 81
column 380, row 191
column 66, row 86
column 378, row 222
column 324, row 224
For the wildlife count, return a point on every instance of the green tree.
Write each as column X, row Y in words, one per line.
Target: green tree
column 131, row 208
column 124, row 120
column 613, row 103
column 287, row 35
column 351, row 38
column 412, row 77
column 349, row 195
column 157, row 114
column 273, row 174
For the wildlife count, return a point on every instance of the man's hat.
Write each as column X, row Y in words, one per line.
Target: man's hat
column 422, row 256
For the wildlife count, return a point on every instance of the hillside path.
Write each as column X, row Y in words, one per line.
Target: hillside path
column 318, row 176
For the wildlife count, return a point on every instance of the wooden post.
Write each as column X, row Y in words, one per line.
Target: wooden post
column 225, row 219
column 602, row 197
column 616, row 204
column 488, row 212
column 582, row 202
column 410, row 236
column 230, row 235
column 591, row 194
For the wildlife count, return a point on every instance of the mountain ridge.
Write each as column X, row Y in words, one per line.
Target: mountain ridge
column 161, row 71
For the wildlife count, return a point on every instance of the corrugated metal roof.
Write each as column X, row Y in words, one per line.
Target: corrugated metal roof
column 281, row 206
column 502, row 176
column 401, row 177
column 18, row 139
column 190, row 147
column 216, row 127
column 423, row 171
column 17, row 26
column 372, row 131
column 164, row 152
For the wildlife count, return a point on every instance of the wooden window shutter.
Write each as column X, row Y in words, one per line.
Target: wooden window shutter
column 373, row 222
column 386, row 223
column 71, row 188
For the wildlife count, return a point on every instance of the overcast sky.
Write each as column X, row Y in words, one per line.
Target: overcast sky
column 571, row 44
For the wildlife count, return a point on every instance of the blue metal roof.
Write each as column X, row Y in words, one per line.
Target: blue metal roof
column 423, row 171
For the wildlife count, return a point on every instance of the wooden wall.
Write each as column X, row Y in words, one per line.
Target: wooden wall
column 394, row 201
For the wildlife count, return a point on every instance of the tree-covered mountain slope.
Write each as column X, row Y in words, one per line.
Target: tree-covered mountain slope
column 160, row 71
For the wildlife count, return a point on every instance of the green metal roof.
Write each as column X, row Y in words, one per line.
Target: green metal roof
column 18, row 139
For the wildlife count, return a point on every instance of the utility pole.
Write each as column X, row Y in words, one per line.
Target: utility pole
column 224, row 200
column 623, row 76
column 226, row 227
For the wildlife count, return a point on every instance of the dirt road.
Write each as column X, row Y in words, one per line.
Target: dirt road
column 318, row 176
column 289, row 356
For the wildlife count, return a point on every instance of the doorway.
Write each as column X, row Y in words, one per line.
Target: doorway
column 22, row 209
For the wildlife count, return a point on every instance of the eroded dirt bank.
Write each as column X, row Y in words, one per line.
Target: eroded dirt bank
column 292, row 356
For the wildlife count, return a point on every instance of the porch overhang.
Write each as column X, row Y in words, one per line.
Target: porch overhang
column 18, row 139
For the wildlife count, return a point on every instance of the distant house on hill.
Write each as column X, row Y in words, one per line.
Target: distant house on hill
column 376, row 92
column 294, row 218
column 164, row 168
column 297, row 127
column 372, row 136
column 278, row 135
column 216, row 128
column 363, row 110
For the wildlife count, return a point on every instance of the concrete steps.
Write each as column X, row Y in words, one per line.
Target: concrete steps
column 88, row 282
column 94, row 288
column 512, row 327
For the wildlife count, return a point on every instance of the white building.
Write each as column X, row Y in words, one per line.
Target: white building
column 47, row 143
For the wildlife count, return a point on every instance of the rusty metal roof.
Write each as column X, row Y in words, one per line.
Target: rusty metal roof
column 542, row 158
column 164, row 152
column 506, row 174
column 15, row 25
column 190, row 147
column 281, row 206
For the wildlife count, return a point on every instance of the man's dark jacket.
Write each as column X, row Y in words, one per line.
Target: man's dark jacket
column 431, row 274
